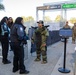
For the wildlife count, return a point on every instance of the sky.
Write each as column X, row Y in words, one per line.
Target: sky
column 15, row 8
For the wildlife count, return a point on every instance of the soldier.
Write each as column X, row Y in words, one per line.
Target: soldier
column 66, row 25
column 74, row 33
column 40, row 38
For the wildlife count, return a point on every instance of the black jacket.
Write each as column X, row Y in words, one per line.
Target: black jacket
column 18, row 34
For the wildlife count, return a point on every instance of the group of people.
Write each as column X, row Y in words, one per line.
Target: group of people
column 5, row 26
column 15, row 32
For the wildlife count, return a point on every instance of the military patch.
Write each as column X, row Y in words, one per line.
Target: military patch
column 21, row 29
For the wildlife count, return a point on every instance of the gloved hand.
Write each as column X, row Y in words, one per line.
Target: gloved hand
column 6, row 34
column 26, row 37
column 25, row 41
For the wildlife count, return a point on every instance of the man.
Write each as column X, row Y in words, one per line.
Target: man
column 74, row 33
column 40, row 38
column 66, row 25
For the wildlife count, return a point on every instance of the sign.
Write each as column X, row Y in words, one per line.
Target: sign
column 65, row 32
column 65, row 6
column 43, row 8
column 55, row 6
column 49, row 7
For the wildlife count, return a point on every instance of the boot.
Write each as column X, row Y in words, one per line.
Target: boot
column 37, row 59
column 24, row 72
column 43, row 62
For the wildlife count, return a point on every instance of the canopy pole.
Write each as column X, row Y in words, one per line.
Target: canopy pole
column 36, row 14
column 43, row 15
column 65, row 14
column 61, row 13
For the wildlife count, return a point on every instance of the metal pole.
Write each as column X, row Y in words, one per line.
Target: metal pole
column 64, row 64
column 36, row 14
column 63, row 69
column 43, row 15
column 65, row 15
column 61, row 12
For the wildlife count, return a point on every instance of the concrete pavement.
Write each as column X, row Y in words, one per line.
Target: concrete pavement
column 70, row 64
column 55, row 60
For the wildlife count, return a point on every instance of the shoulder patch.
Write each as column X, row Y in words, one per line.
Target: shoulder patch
column 21, row 29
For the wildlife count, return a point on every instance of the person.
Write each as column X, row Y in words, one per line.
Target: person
column 18, row 38
column 4, row 40
column 40, row 38
column 0, row 31
column 10, row 23
column 66, row 25
column 74, row 33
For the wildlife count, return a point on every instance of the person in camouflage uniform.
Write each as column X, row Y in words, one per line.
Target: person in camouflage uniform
column 66, row 25
column 40, row 37
column 74, row 33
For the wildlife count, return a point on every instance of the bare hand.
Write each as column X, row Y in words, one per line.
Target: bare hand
column 44, row 45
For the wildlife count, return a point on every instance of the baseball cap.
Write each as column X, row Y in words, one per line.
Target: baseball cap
column 40, row 22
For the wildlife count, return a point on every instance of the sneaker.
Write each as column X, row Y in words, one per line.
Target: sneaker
column 24, row 72
column 37, row 59
column 43, row 62
column 6, row 62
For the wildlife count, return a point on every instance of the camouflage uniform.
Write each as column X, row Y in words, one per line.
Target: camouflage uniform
column 66, row 26
column 40, row 38
column 74, row 34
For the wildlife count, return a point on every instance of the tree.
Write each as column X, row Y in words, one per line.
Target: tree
column 47, row 19
column 28, row 19
column 1, row 7
column 73, row 20
column 24, row 18
column 59, row 18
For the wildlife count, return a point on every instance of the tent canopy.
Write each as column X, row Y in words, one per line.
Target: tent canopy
column 62, row 6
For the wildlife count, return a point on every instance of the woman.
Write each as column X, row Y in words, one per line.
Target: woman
column 18, row 38
column 5, row 40
column 10, row 23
